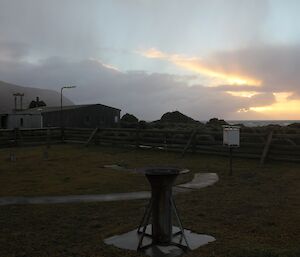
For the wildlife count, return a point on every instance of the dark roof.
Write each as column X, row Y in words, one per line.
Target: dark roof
column 44, row 109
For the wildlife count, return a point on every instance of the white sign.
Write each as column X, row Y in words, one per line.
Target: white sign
column 231, row 135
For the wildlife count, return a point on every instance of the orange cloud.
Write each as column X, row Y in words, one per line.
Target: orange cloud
column 289, row 109
column 247, row 94
column 152, row 53
column 282, row 107
column 109, row 66
column 195, row 65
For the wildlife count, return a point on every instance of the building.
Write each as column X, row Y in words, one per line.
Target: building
column 79, row 116
column 20, row 120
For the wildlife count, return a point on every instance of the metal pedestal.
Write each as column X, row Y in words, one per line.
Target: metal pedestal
column 161, row 208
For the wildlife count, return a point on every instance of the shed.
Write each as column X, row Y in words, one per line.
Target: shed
column 79, row 116
column 20, row 120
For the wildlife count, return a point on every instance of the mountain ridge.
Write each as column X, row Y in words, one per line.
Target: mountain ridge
column 50, row 97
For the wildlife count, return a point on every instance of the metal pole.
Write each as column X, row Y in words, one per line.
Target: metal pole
column 179, row 222
column 21, row 101
column 143, row 221
column 146, row 222
column 61, row 115
column 230, row 160
column 61, row 110
column 15, row 102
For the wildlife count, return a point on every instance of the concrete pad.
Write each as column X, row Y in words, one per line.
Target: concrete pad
column 130, row 241
column 75, row 198
column 118, row 168
column 201, row 180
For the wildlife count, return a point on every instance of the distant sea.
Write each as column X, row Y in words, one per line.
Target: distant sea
column 259, row 123
column 255, row 123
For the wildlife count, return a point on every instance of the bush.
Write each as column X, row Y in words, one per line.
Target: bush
column 129, row 118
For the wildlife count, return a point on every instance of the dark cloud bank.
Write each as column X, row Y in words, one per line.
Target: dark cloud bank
column 71, row 29
column 277, row 66
column 150, row 95
column 146, row 95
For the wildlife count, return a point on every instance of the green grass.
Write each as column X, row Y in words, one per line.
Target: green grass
column 76, row 170
column 254, row 213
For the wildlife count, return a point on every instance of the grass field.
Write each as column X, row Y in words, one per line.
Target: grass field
column 76, row 170
column 254, row 213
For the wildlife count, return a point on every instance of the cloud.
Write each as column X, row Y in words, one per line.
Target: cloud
column 153, row 53
column 146, row 95
column 82, row 29
column 276, row 66
column 63, row 28
column 269, row 68
column 262, row 99
column 200, row 66
column 268, row 75
column 284, row 107
column 240, row 88
column 245, row 76
column 13, row 50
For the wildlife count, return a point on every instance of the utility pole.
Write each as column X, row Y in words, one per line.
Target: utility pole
column 20, row 95
column 61, row 111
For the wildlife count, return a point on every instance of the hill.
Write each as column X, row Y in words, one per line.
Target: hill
column 50, row 97
column 176, row 117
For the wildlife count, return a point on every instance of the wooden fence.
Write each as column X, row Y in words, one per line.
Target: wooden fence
column 275, row 145
column 23, row 137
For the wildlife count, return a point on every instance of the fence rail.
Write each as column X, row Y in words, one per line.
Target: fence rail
column 258, row 145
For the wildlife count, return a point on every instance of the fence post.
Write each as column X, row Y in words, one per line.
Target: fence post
column 194, row 141
column 137, row 137
column 189, row 142
column 266, row 148
column 16, row 130
column 230, row 160
column 165, row 141
column 92, row 135
column 98, row 137
column 12, row 154
column 48, row 138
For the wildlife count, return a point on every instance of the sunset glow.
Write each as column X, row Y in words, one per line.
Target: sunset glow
column 247, row 94
column 152, row 53
column 228, row 59
column 195, row 65
column 232, row 79
column 109, row 66
column 283, row 107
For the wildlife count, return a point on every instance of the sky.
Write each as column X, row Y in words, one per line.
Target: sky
column 231, row 59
